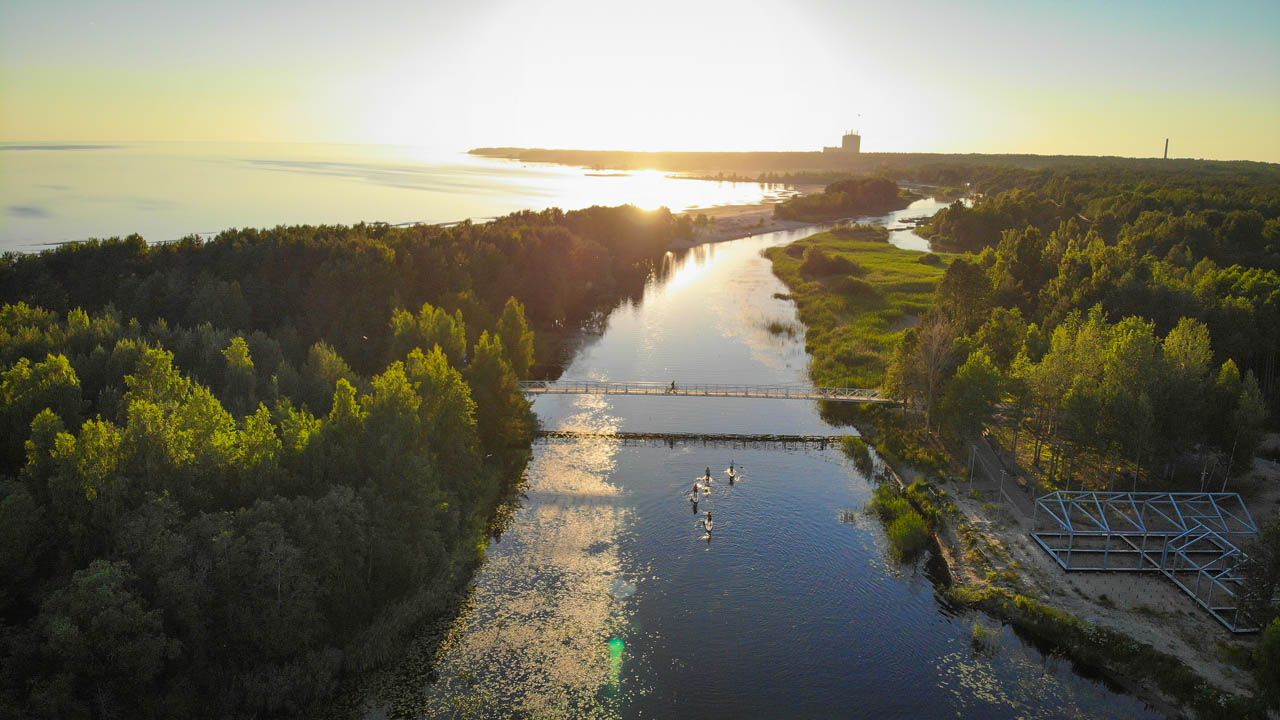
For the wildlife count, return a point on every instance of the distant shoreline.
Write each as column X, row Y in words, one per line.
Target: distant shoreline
column 758, row 166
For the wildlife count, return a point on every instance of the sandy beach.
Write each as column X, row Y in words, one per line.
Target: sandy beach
column 730, row 222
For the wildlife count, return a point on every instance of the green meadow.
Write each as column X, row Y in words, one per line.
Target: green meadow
column 857, row 294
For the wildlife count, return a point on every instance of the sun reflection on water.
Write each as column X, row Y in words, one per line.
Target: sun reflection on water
column 542, row 635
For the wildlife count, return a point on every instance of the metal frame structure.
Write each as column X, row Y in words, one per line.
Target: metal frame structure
column 1190, row 538
column 776, row 392
column 1205, row 565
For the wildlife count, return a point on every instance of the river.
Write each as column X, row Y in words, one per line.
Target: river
column 602, row 599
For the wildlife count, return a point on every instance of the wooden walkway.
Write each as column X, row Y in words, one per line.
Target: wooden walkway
column 670, row 439
column 774, row 392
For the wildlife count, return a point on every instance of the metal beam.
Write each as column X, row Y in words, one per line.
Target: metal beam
column 1193, row 534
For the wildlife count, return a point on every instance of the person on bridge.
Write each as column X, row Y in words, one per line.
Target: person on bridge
column 672, row 390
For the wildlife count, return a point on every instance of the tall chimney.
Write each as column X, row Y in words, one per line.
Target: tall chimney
column 1166, row 148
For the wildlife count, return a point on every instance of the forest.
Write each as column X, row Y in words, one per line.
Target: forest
column 235, row 471
column 1114, row 331
column 851, row 196
column 1127, row 322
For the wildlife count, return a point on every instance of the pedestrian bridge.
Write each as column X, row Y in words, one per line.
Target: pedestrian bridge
column 774, row 392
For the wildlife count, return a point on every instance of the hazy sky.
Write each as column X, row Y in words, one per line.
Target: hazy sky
column 1018, row 76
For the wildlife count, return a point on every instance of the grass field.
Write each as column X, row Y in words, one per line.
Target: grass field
column 856, row 298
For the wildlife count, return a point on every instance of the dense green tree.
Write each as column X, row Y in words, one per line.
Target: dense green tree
column 972, row 393
column 1128, row 389
column 503, row 418
column 107, row 645
column 26, row 388
column 240, row 380
column 1002, row 334
column 1187, row 355
column 517, row 338
column 1020, row 270
column 923, row 363
column 23, row 537
column 965, row 294
column 448, row 411
column 431, row 326
column 320, row 374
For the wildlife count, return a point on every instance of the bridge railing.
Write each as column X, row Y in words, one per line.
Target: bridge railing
column 796, row 392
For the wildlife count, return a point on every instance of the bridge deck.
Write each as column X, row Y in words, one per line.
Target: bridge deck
column 776, row 392
column 671, row 438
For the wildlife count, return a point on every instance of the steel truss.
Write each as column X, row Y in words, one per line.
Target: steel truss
column 1190, row 538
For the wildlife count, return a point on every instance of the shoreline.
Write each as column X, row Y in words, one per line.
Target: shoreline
column 733, row 222
column 945, row 548
column 1138, row 632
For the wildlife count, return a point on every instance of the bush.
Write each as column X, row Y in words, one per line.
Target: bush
column 907, row 529
column 1266, row 658
column 887, row 503
column 854, row 287
column 779, row 327
column 869, row 233
column 929, row 259
column 909, row 534
column 921, row 499
column 985, row 640
column 855, row 448
column 817, row 264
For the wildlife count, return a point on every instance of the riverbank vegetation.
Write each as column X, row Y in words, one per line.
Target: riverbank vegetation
column 910, row 514
column 1110, row 325
column 857, row 450
column 233, row 471
column 1117, row 655
column 856, row 294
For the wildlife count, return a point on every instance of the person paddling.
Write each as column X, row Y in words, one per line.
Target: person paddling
column 707, row 523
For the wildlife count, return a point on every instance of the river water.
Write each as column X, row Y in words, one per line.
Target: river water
column 603, row 599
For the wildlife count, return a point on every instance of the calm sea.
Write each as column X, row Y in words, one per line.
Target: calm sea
column 53, row 193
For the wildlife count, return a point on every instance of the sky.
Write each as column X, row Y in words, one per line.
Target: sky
column 1093, row 78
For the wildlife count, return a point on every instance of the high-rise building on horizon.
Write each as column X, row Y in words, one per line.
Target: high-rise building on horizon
column 850, row 143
